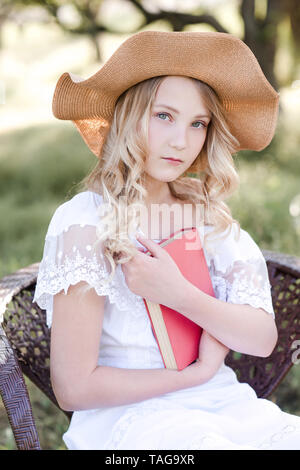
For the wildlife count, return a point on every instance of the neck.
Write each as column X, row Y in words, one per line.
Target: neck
column 158, row 192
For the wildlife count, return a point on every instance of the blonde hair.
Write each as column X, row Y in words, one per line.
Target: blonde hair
column 119, row 173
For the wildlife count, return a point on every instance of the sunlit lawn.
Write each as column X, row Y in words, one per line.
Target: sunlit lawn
column 40, row 166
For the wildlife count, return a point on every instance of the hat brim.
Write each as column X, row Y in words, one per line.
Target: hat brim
column 221, row 60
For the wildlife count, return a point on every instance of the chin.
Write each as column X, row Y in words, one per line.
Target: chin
column 168, row 179
column 171, row 175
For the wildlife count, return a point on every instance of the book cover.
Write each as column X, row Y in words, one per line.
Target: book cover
column 177, row 336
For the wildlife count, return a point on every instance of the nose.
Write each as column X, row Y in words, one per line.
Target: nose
column 178, row 139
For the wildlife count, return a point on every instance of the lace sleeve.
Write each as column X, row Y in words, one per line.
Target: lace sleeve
column 68, row 258
column 71, row 255
column 239, row 273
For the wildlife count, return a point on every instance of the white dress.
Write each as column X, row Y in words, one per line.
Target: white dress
column 220, row 414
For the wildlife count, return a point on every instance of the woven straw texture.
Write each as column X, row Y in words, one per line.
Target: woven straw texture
column 221, row 60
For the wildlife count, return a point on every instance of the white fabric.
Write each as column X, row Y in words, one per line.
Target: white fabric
column 221, row 413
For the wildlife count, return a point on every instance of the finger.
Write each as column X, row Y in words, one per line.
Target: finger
column 154, row 248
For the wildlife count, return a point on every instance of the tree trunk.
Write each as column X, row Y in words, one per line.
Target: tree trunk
column 96, row 44
column 261, row 35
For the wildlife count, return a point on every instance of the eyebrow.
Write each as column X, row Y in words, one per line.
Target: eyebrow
column 176, row 111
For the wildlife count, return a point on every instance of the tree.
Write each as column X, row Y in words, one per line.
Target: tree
column 6, row 7
column 260, row 34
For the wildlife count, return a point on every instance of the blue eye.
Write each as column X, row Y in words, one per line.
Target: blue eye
column 202, row 125
column 196, row 122
column 162, row 114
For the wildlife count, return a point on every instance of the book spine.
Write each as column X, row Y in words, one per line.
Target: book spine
column 161, row 333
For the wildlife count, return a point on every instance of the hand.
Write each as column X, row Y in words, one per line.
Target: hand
column 211, row 356
column 211, row 351
column 156, row 278
column 195, row 374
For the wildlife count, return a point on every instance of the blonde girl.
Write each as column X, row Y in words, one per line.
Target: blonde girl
column 164, row 116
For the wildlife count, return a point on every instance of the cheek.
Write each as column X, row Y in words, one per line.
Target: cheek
column 156, row 132
column 198, row 142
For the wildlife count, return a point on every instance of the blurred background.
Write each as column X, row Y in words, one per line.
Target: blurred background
column 42, row 159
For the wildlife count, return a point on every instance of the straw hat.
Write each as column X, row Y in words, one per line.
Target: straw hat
column 221, row 60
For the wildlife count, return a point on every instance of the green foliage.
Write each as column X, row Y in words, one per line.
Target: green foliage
column 40, row 168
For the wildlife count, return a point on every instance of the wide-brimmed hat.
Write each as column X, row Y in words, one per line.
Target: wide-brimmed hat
column 221, row 60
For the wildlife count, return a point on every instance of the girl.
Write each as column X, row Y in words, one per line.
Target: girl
column 196, row 98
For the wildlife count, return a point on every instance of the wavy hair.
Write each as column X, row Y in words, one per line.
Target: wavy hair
column 119, row 174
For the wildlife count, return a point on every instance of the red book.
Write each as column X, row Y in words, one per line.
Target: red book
column 178, row 337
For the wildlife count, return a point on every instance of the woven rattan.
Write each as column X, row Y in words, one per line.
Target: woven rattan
column 25, row 343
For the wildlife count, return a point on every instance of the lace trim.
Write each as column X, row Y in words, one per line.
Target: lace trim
column 213, row 441
column 244, row 283
column 219, row 286
column 279, row 436
column 53, row 278
column 244, row 293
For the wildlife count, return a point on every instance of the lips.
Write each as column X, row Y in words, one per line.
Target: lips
column 170, row 158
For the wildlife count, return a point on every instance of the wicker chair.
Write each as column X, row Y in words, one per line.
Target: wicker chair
column 25, row 340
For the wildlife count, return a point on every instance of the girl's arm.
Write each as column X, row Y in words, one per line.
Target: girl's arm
column 211, row 353
column 211, row 356
column 242, row 328
column 79, row 383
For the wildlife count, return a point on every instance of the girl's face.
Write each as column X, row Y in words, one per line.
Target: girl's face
column 179, row 132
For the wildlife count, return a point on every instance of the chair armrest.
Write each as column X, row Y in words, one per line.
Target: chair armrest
column 289, row 263
column 25, row 327
column 25, row 348
column 15, row 397
column 12, row 284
